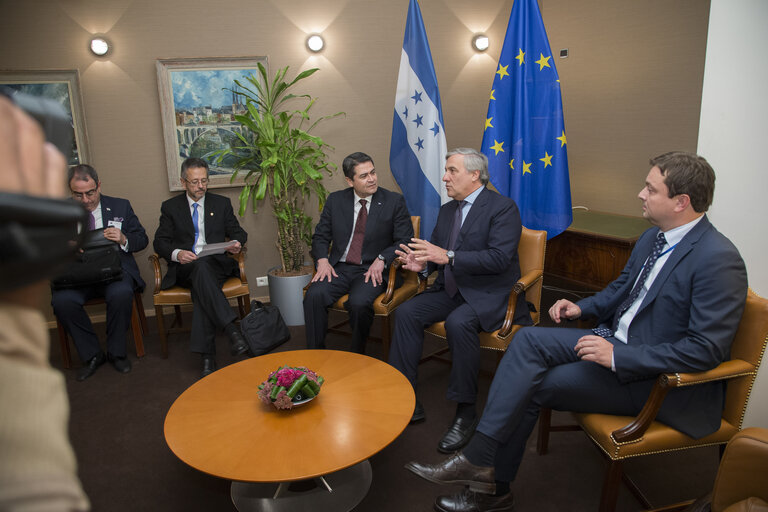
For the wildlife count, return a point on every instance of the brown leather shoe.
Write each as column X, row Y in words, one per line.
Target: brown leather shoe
column 457, row 470
column 468, row 501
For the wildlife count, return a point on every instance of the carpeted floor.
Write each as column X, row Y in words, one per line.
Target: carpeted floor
column 125, row 465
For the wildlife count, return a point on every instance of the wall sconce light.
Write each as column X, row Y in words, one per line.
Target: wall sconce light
column 315, row 43
column 480, row 42
column 99, row 46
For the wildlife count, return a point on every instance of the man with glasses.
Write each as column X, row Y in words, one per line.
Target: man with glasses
column 188, row 222
column 121, row 226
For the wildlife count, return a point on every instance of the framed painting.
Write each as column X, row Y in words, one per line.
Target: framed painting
column 63, row 86
column 198, row 105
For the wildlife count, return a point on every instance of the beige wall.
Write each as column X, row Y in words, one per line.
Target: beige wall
column 632, row 85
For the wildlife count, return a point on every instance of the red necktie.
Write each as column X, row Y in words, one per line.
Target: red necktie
column 355, row 254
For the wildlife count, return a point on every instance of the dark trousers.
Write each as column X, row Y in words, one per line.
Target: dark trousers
column 541, row 369
column 322, row 294
column 461, row 326
column 69, row 310
column 210, row 308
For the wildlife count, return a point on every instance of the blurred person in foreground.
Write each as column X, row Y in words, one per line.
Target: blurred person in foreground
column 38, row 470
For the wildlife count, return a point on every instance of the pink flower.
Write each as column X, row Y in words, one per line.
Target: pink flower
column 287, row 376
column 265, row 392
column 283, row 401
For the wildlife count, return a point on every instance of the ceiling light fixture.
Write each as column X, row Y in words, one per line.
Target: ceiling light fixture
column 480, row 42
column 315, row 43
column 99, row 46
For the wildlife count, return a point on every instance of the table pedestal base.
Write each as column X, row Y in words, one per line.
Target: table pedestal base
column 340, row 491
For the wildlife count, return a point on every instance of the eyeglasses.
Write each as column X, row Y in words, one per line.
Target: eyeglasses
column 202, row 181
column 90, row 194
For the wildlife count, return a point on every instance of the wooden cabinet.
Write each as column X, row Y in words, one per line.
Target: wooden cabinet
column 593, row 250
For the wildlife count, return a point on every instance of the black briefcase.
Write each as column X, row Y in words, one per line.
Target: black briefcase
column 98, row 264
column 264, row 328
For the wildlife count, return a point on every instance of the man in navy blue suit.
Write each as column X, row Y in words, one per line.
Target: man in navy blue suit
column 674, row 308
column 474, row 250
column 354, row 242
column 121, row 226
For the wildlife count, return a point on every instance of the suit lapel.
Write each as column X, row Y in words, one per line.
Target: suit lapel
column 374, row 212
column 478, row 207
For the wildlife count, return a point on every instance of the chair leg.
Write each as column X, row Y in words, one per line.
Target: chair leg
column 386, row 336
column 64, row 342
column 142, row 314
column 161, row 331
column 138, row 338
column 241, row 307
column 611, row 483
column 545, row 420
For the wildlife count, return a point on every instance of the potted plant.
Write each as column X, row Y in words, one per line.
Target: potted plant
column 284, row 164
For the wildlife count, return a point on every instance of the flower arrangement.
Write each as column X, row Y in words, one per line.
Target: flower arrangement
column 288, row 385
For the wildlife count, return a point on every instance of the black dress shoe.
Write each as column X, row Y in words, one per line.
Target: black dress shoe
column 418, row 413
column 209, row 365
column 468, row 501
column 457, row 470
column 238, row 345
column 121, row 364
column 91, row 366
column 457, row 435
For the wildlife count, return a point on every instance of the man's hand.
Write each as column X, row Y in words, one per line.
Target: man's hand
column 324, row 270
column 236, row 248
column 115, row 235
column 424, row 251
column 185, row 257
column 374, row 272
column 564, row 308
column 408, row 259
column 596, row 349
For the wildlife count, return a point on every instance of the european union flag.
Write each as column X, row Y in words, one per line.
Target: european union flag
column 524, row 135
column 418, row 148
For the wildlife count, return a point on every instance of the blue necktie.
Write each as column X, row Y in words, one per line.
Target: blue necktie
column 450, row 281
column 194, row 223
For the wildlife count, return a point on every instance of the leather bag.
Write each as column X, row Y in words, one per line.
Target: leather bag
column 264, row 328
column 98, row 264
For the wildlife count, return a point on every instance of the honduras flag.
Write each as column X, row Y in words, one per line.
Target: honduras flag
column 417, row 153
column 524, row 135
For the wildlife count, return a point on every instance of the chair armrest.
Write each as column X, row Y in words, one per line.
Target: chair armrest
column 523, row 284
column 666, row 381
column 390, row 293
column 240, row 257
column 155, row 260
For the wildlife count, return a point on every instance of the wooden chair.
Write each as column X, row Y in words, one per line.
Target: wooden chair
column 177, row 296
column 386, row 303
column 623, row 437
column 530, row 251
column 138, row 326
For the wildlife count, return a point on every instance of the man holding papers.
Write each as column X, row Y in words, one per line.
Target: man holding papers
column 189, row 222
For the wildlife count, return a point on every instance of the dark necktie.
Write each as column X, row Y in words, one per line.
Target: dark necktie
column 450, row 281
column 355, row 254
column 91, row 222
column 195, row 223
column 632, row 297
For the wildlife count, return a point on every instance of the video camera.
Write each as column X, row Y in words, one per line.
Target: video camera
column 37, row 233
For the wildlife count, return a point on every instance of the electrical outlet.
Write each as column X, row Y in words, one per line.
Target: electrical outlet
column 262, row 281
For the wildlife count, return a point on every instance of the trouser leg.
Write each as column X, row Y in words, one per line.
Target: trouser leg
column 360, row 307
column 119, row 298
column 69, row 310
column 319, row 297
column 462, row 327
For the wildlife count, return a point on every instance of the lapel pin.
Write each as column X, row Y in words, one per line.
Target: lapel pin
column 211, row 214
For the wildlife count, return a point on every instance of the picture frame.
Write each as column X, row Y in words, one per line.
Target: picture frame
column 63, row 86
column 197, row 107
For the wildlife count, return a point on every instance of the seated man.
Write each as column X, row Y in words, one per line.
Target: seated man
column 188, row 222
column 474, row 250
column 674, row 308
column 353, row 245
column 123, row 227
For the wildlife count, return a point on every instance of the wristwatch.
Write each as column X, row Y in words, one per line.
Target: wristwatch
column 450, row 255
column 382, row 258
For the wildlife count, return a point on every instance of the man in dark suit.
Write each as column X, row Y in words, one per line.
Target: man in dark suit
column 674, row 308
column 353, row 245
column 188, row 222
column 474, row 250
column 121, row 226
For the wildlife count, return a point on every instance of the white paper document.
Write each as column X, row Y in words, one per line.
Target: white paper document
column 219, row 248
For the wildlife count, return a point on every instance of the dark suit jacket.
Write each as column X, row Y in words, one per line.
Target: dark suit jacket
column 686, row 322
column 388, row 226
column 177, row 232
column 486, row 265
column 119, row 210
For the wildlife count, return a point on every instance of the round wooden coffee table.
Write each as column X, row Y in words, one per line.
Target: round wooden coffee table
column 220, row 427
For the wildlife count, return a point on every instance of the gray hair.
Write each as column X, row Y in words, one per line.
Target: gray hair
column 473, row 161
